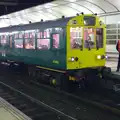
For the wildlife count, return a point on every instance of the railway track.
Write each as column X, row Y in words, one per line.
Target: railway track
column 63, row 105
column 30, row 106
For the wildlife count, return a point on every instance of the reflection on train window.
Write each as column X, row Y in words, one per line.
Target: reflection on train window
column 30, row 43
column 18, row 40
column 30, row 40
column 43, row 34
column 99, row 38
column 56, row 40
column 76, row 37
column 89, row 21
column 4, row 40
column 89, row 36
column 39, row 35
column 18, row 43
column 43, row 44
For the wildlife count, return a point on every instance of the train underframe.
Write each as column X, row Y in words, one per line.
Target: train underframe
column 68, row 80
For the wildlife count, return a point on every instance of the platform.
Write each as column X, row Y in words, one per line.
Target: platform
column 9, row 112
column 113, row 66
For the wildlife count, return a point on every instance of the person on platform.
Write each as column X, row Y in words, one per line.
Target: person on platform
column 118, row 49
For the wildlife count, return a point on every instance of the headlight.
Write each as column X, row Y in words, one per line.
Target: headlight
column 102, row 57
column 106, row 57
column 98, row 57
column 72, row 59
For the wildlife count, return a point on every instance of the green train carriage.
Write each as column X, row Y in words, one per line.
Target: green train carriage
column 66, row 47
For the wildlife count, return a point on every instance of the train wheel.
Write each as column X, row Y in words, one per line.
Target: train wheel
column 53, row 81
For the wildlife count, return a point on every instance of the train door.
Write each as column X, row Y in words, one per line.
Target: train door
column 89, row 46
column 74, row 46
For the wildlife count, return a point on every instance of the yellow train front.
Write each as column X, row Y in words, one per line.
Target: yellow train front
column 86, row 42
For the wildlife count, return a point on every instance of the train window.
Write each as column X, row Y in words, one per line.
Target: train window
column 56, row 40
column 4, row 40
column 30, row 43
column 43, row 44
column 76, row 37
column 99, row 38
column 39, row 35
column 43, row 34
column 30, row 40
column 89, row 21
column 89, row 36
column 18, row 40
column 18, row 43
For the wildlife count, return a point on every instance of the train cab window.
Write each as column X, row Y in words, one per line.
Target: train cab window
column 99, row 38
column 56, row 41
column 89, row 38
column 29, row 40
column 4, row 40
column 76, row 37
column 18, row 40
column 43, row 44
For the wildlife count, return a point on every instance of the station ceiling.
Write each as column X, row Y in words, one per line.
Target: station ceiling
column 54, row 9
column 10, row 6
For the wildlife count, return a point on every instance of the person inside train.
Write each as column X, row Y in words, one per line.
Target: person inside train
column 89, row 43
column 118, row 49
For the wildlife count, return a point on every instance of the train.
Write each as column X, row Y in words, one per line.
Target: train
column 63, row 51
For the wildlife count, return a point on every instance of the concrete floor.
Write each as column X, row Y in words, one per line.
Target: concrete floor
column 112, row 64
column 8, row 112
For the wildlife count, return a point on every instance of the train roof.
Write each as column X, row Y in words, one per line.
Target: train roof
column 39, row 25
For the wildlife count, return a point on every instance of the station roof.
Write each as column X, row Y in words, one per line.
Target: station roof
column 56, row 9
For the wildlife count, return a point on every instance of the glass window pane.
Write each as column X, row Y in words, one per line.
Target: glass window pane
column 119, row 25
column 111, row 42
column 76, row 37
column 89, row 21
column 56, row 40
column 99, row 38
column 26, row 35
column 118, row 31
column 30, row 43
column 43, row 44
column 29, row 40
column 89, row 36
column 111, row 31
column 4, row 39
column 111, row 26
column 111, row 36
column 118, row 36
column 18, row 43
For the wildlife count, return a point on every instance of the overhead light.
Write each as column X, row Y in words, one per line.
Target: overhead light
column 72, row 0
